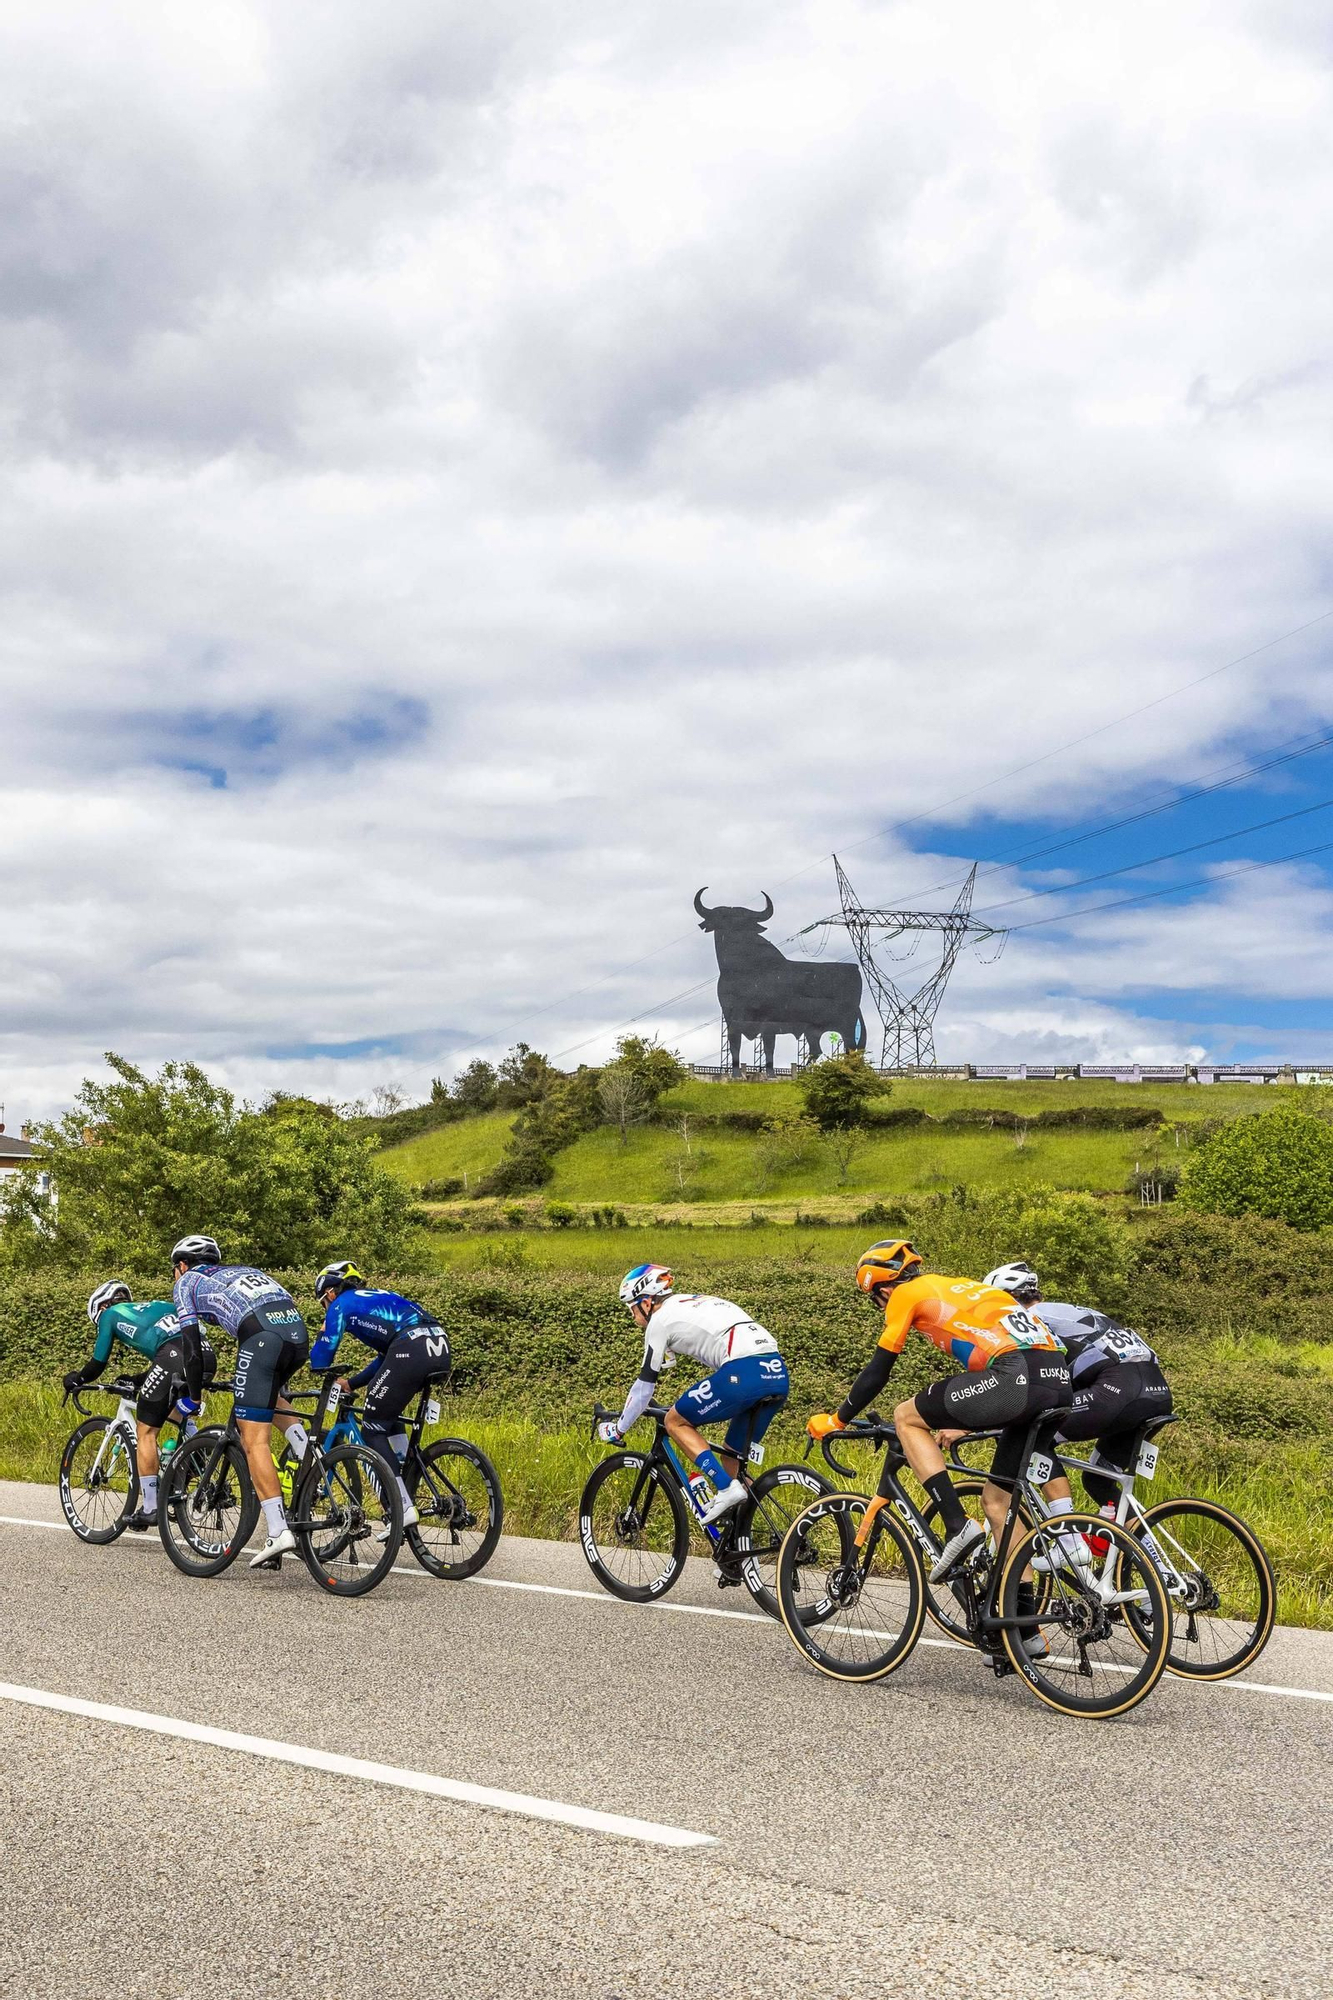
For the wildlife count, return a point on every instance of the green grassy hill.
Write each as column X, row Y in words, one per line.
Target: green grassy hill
column 709, row 1164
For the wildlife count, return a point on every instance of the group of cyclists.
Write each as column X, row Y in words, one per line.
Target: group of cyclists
column 1022, row 1357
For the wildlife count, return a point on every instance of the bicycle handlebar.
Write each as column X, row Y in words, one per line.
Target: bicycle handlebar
column 872, row 1428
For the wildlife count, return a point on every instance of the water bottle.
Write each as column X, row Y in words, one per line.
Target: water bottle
column 699, row 1490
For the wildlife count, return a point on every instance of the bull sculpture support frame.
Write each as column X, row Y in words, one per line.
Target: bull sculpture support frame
column 764, row 994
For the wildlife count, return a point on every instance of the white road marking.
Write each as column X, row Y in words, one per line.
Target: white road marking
column 621, row 1824
column 681, row 1610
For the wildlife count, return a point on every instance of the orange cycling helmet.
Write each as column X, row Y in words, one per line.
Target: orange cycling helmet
column 884, row 1263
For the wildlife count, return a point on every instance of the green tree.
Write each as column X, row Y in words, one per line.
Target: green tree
column 1279, row 1164
column 837, row 1090
column 654, row 1069
column 474, row 1088
column 140, row 1161
column 524, row 1076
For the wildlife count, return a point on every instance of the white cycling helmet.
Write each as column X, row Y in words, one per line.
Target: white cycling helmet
column 1018, row 1279
column 111, row 1293
column 645, row 1281
column 196, row 1250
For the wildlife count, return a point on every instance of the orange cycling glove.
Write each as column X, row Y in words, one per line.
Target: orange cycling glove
column 821, row 1426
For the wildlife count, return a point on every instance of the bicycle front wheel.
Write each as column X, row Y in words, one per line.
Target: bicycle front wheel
column 456, row 1492
column 1082, row 1657
column 853, row 1612
column 776, row 1498
column 349, row 1520
column 634, row 1528
column 206, row 1509
column 99, row 1484
column 1220, row 1582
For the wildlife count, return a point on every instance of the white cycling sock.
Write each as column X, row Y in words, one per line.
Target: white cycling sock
column 1062, row 1506
column 298, row 1437
column 275, row 1517
column 407, row 1497
column 148, row 1487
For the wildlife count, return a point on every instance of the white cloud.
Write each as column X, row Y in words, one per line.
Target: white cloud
column 550, row 460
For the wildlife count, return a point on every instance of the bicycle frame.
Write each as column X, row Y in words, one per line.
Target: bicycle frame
column 662, row 1455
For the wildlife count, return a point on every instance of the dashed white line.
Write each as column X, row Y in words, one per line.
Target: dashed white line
column 623, row 1825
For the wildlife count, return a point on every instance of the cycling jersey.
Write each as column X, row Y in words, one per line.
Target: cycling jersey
column 1093, row 1340
column 225, row 1294
column 971, row 1323
column 708, row 1330
column 142, row 1328
column 376, row 1319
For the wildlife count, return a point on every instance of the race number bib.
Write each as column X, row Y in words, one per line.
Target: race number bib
column 1025, row 1331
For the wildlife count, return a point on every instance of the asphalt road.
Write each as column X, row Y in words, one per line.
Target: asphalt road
column 940, row 1834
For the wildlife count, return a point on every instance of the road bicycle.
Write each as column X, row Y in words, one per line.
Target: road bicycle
column 1075, row 1649
column 99, row 1477
column 454, row 1487
column 637, row 1508
column 345, row 1513
column 1216, row 1571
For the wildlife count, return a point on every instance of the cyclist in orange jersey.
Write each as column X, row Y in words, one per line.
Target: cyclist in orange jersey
column 1014, row 1369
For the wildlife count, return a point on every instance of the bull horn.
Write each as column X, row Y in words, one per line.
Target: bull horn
column 764, row 915
column 699, row 903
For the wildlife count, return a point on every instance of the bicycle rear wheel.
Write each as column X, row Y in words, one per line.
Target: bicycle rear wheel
column 634, row 1528
column 776, row 1498
column 456, row 1491
column 348, row 1519
column 855, row 1613
column 1094, row 1664
column 206, row 1509
column 99, row 1483
column 1220, row 1582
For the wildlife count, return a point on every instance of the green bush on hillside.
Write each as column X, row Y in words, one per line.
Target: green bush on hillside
column 837, row 1091
column 1278, row 1165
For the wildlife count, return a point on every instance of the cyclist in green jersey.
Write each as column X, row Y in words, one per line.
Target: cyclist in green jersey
column 153, row 1331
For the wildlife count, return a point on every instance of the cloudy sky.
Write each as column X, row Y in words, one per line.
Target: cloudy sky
column 473, row 474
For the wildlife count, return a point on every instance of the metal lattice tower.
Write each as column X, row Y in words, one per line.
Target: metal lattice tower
column 909, row 1018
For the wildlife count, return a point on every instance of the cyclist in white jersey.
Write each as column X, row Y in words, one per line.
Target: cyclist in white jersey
column 744, row 1367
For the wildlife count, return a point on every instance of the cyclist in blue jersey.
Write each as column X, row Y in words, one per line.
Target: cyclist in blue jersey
column 408, row 1347
column 150, row 1330
column 271, row 1344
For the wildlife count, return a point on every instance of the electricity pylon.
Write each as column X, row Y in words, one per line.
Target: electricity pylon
column 908, row 1018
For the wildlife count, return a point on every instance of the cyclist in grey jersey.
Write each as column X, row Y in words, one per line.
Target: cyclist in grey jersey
column 272, row 1342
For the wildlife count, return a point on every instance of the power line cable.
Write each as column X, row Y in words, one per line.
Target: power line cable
column 1154, row 860
column 1174, row 888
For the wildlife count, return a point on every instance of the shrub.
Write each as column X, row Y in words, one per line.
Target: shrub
column 1279, row 1165
column 442, row 1190
column 837, row 1090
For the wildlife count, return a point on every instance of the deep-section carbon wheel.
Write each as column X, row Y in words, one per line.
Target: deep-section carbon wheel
column 854, row 1612
column 348, row 1520
column 456, row 1491
column 99, row 1486
column 634, row 1528
column 206, row 1507
column 1101, row 1640
column 777, row 1497
column 1220, row 1582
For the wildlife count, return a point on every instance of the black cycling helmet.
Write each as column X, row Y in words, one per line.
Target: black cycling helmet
column 342, row 1277
column 194, row 1250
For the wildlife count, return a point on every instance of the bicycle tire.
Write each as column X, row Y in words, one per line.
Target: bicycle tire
column 762, row 1524
column 452, row 1514
column 623, row 1531
column 942, row 1607
column 1194, row 1628
column 833, row 1635
column 207, row 1508
column 110, row 1526
column 1076, row 1618
column 353, row 1488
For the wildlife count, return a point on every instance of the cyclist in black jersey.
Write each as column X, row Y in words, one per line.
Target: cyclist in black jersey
column 1117, row 1380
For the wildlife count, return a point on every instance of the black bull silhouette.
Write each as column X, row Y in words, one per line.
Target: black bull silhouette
column 763, row 994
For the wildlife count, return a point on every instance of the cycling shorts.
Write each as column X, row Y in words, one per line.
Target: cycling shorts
column 1005, row 1397
column 165, row 1380
column 271, row 1344
column 1114, row 1409
column 415, row 1358
column 730, row 1395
